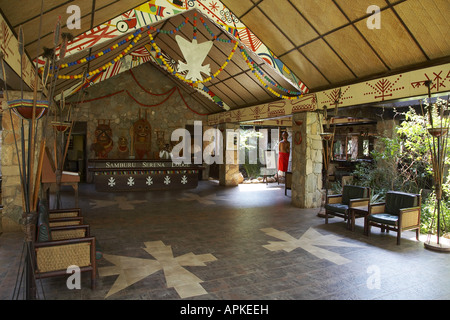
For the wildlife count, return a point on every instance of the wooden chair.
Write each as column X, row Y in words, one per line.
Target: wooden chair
column 401, row 211
column 55, row 256
column 340, row 204
column 48, row 178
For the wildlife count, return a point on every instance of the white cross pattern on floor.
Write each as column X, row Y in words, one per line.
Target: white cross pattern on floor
column 121, row 202
column 309, row 241
column 209, row 199
column 132, row 270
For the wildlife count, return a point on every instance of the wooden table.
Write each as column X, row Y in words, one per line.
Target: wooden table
column 356, row 212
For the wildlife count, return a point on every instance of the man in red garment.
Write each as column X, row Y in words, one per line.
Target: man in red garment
column 284, row 149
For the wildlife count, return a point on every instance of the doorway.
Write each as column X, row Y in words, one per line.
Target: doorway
column 76, row 159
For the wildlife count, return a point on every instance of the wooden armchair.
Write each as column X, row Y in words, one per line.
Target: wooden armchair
column 340, row 204
column 400, row 212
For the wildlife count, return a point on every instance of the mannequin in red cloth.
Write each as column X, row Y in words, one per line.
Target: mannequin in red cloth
column 283, row 155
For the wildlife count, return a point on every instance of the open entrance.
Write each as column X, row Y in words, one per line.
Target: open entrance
column 257, row 150
column 260, row 144
column 76, row 160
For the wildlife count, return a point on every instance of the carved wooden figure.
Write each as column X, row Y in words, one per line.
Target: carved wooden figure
column 123, row 151
column 142, row 138
column 104, row 143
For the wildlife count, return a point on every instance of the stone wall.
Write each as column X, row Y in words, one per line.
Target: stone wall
column 307, row 161
column 120, row 111
column 12, row 198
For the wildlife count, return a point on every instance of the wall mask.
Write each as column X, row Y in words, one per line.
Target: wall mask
column 142, row 138
column 103, row 140
column 123, row 151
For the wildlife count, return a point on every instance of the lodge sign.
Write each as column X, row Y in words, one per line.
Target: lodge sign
column 140, row 164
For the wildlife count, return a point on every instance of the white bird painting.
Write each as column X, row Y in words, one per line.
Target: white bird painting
column 194, row 53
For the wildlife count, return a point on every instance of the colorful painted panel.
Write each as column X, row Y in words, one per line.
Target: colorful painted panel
column 401, row 86
column 405, row 85
column 157, row 10
column 9, row 47
column 264, row 111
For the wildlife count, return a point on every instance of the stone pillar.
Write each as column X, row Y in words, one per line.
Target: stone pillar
column 229, row 170
column 307, row 160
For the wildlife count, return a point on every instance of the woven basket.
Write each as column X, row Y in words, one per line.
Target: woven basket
column 64, row 223
column 333, row 200
column 68, row 234
column 57, row 258
column 56, row 215
column 410, row 219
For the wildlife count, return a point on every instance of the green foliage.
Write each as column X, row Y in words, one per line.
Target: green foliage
column 429, row 215
column 248, row 140
column 335, row 187
column 404, row 162
column 401, row 162
column 376, row 178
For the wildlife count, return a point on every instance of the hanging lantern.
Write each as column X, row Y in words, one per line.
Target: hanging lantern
column 24, row 108
column 327, row 136
column 61, row 126
column 437, row 132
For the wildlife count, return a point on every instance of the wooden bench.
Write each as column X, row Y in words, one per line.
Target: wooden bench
column 58, row 247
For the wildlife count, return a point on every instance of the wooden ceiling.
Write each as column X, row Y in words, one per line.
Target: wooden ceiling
column 324, row 43
column 235, row 85
column 27, row 13
column 327, row 43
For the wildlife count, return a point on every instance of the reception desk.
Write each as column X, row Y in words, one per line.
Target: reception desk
column 142, row 175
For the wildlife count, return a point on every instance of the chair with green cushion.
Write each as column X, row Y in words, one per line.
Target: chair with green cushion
column 338, row 205
column 401, row 211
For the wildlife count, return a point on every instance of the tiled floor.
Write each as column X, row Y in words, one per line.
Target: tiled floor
column 243, row 243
